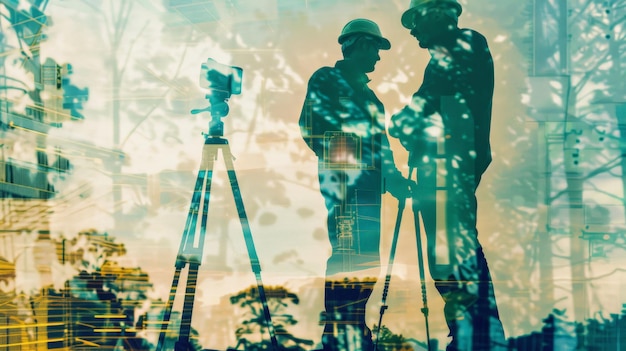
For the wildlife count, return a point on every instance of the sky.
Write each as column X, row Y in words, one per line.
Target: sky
column 279, row 44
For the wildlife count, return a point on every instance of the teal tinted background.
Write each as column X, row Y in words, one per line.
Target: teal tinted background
column 551, row 206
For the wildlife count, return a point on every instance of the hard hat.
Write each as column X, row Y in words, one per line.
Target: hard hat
column 364, row 26
column 408, row 15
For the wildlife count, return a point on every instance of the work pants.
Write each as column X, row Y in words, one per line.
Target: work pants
column 456, row 259
column 353, row 201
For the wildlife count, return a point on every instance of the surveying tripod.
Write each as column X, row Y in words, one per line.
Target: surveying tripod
column 430, row 166
column 191, row 247
column 444, row 198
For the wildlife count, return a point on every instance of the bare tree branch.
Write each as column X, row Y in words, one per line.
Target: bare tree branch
column 130, row 50
column 180, row 64
column 583, row 81
column 603, row 169
column 575, row 19
column 618, row 22
column 617, row 270
column 611, row 195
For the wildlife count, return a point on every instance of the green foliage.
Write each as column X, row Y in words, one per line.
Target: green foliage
column 253, row 329
column 387, row 340
column 603, row 333
column 558, row 333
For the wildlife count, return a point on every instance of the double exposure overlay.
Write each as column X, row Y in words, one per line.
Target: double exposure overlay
column 312, row 175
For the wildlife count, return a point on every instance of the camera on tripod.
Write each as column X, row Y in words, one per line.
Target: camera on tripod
column 222, row 81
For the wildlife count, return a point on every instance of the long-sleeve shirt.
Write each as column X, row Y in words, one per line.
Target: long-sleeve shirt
column 461, row 68
column 343, row 122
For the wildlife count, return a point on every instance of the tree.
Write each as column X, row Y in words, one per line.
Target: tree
column 35, row 98
column 387, row 340
column 603, row 333
column 100, row 287
column 509, row 214
column 254, row 325
column 578, row 55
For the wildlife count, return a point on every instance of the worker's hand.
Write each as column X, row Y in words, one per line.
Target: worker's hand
column 405, row 126
column 410, row 128
column 400, row 187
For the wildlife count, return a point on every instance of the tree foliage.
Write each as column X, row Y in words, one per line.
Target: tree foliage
column 253, row 329
column 387, row 340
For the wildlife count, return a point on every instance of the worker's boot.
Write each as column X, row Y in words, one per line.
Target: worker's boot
column 345, row 328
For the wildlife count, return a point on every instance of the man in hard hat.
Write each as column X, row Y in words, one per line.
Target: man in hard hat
column 343, row 122
column 447, row 125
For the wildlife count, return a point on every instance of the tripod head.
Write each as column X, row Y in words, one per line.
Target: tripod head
column 218, row 108
column 222, row 81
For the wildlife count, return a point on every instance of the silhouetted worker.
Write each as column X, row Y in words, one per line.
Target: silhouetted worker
column 447, row 124
column 343, row 122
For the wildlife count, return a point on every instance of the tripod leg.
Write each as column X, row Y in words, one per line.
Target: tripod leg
column 392, row 255
column 189, row 252
column 188, row 245
column 192, row 253
column 254, row 259
column 420, row 262
column 181, row 260
column 183, row 343
column 168, row 309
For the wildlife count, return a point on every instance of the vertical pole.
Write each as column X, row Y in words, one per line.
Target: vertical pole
column 247, row 235
column 420, row 258
column 190, row 294
column 168, row 309
column 188, row 253
column 392, row 255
